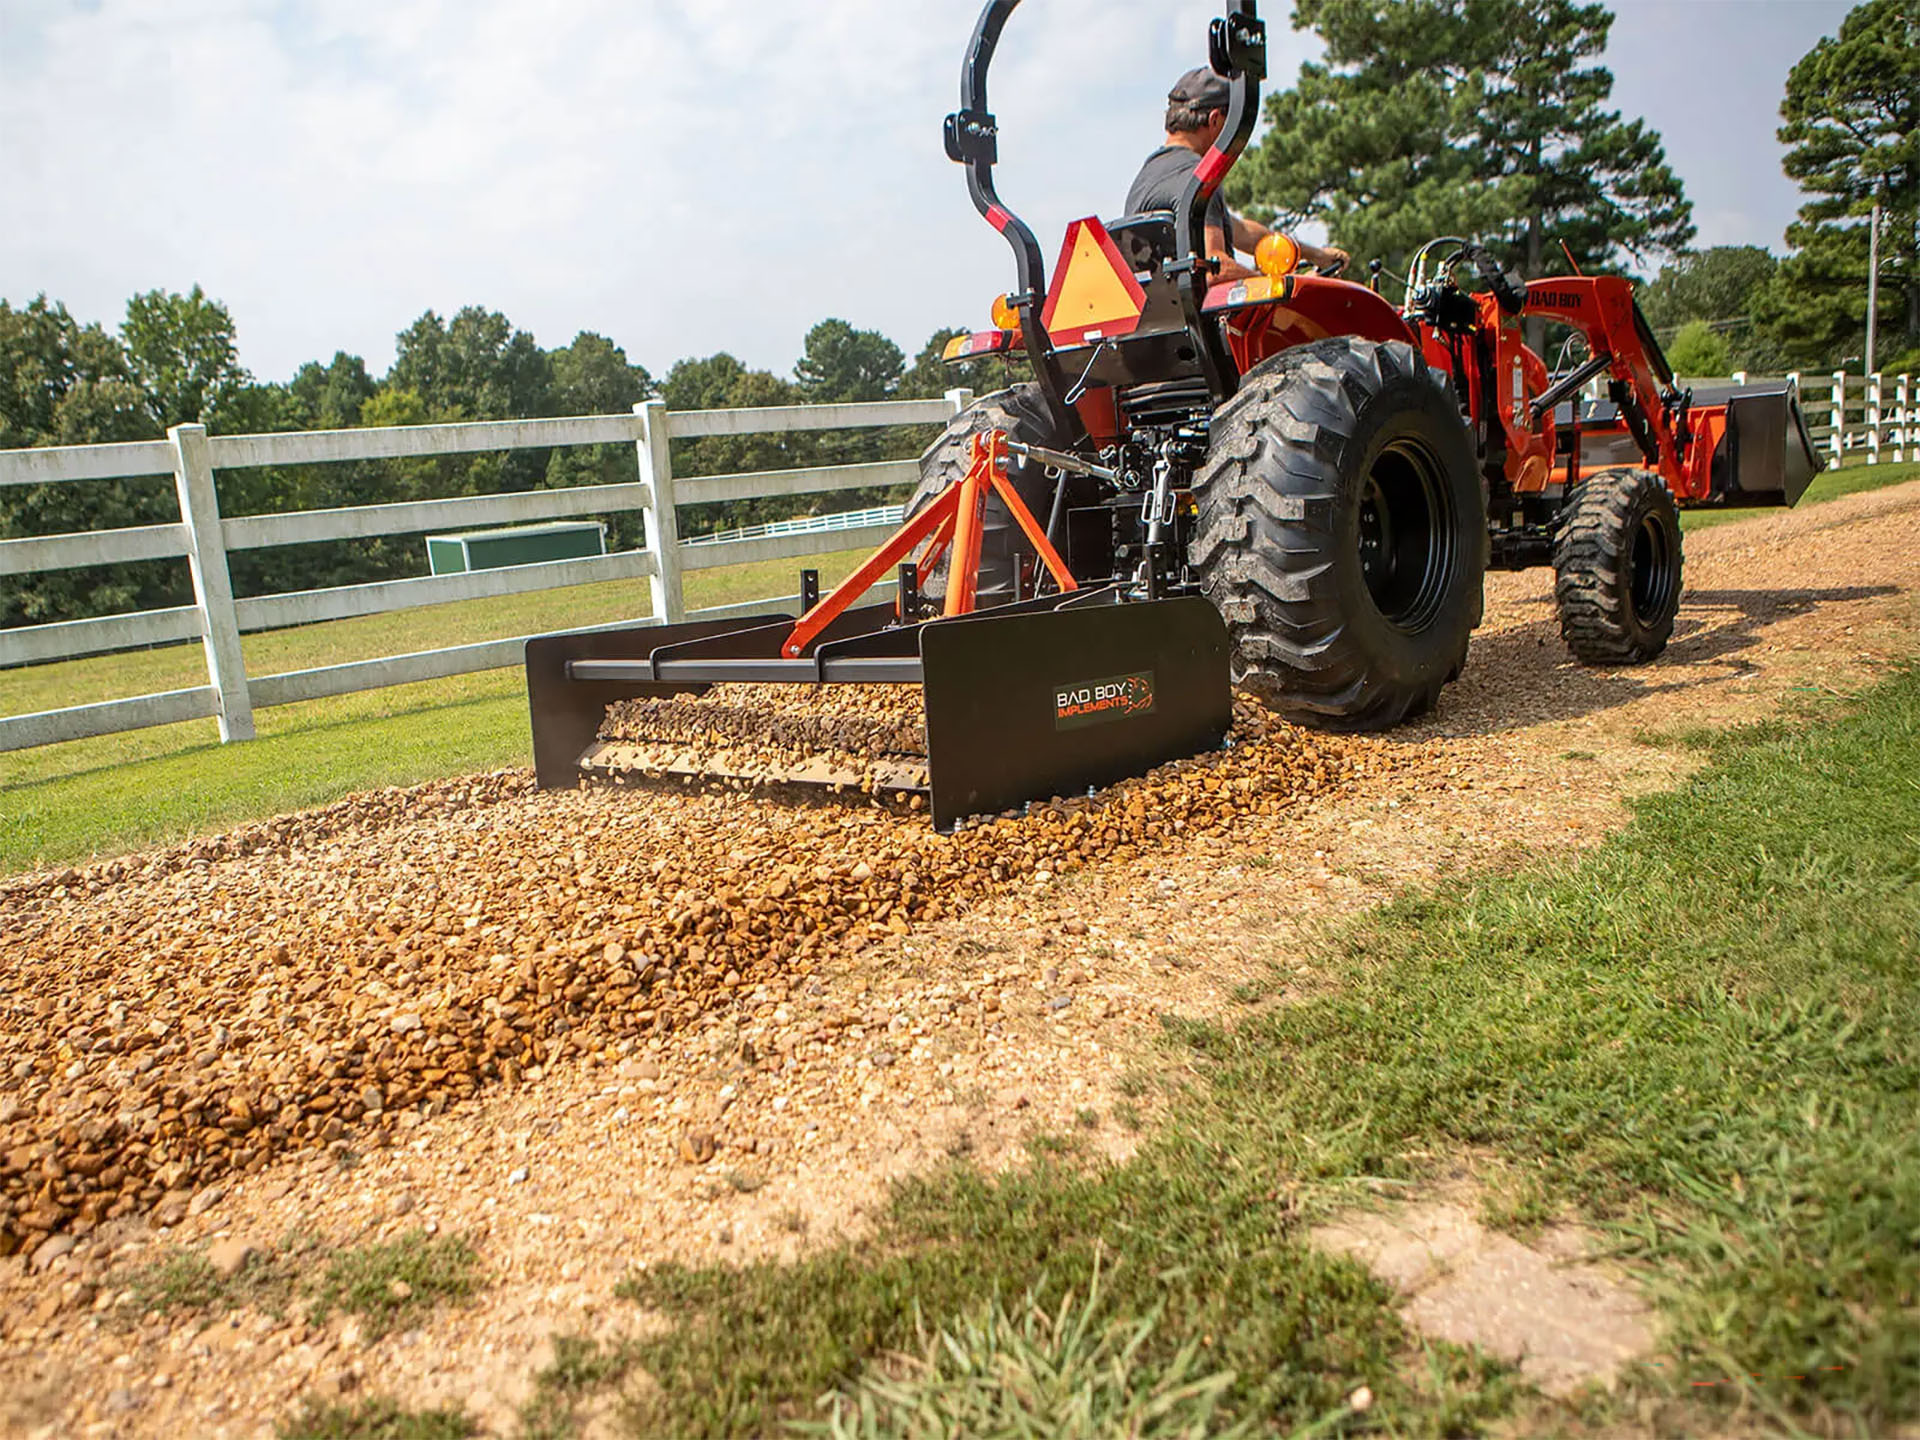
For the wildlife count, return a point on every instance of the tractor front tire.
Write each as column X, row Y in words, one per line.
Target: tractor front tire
column 1342, row 533
column 1618, row 567
column 1005, row 553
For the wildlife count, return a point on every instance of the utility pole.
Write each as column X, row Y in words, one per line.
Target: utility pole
column 1873, row 280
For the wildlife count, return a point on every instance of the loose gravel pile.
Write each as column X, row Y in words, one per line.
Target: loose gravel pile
column 173, row 1018
column 853, row 719
column 865, row 738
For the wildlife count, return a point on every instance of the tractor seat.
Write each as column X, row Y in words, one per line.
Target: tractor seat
column 1146, row 241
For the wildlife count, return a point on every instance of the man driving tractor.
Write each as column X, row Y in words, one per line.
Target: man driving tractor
column 1196, row 114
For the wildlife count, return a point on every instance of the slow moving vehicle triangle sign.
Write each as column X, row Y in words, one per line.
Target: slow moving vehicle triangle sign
column 1094, row 294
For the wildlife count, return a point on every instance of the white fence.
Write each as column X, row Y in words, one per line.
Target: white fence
column 1856, row 417
column 217, row 619
column 807, row 525
column 1850, row 417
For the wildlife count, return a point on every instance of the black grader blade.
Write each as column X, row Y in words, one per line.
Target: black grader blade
column 1022, row 702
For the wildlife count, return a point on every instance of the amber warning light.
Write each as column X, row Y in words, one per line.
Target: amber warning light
column 1277, row 255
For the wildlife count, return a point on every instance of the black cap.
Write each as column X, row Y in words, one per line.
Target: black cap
column 1200, row 89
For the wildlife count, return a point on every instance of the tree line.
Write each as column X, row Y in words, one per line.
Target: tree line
column 1486, row 118
column 1489, row 118
column 173, row 360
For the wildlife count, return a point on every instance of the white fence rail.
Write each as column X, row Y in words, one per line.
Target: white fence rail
column 1869, row 418
column 807, row 525
column 205, row 539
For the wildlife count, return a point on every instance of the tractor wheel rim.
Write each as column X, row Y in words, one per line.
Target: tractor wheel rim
column 1650, row 570
column 1405, row 536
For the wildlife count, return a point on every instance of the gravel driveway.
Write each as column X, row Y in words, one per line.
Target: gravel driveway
column 594, row 1029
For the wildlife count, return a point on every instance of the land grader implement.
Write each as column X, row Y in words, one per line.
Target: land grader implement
column 1284, row 481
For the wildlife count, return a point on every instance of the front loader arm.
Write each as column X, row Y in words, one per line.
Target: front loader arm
column 1640, row 382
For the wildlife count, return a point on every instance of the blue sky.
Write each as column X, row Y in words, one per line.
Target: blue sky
column 683, row 176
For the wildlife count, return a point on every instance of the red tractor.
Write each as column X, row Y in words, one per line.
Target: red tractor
column 1284, row 481
column 1334, row 473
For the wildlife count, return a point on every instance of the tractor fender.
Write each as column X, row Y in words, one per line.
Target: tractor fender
column 1263, row 317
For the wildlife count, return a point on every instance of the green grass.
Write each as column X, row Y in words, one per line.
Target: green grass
column 395, row 1283
column 387, row 1285
column 1827, row 485
column 375, row 1419
column 1698, row 1038
column 118, row 792
column 1010, row 1372
column 582, row 1369
column 184, row 1280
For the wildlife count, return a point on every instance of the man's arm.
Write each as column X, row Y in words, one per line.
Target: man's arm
column 1247, row 235
column 1218, row 250
column 1330, row 258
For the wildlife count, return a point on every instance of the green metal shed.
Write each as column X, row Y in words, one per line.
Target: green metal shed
column 517, row 545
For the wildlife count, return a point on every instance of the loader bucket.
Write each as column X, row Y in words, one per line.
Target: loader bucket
column 1022, row 702
column 1765, row 456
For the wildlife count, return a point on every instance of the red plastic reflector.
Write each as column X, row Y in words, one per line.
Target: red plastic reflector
column 981, row 342
column 997, row 217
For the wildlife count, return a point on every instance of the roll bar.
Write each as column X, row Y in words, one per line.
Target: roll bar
column 972, row 139
column 1237, row 49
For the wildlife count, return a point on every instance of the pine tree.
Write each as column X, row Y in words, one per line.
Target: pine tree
column 1716, row 287
column 1484, row 118
column 1852, row 119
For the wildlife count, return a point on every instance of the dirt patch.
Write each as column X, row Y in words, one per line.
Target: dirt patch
column 1565, row 1321
column 767, row 1113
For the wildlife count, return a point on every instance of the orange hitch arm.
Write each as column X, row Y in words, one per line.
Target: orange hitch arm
column 1036, row 536
column 871, row 572
column 970, row 496
column 953, row 519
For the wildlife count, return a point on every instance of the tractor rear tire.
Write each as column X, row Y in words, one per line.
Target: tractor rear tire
column 1618, row 567
column 1021, row 411
column 1342, row 533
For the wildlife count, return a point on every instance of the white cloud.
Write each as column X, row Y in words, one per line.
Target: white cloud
column 683, row 176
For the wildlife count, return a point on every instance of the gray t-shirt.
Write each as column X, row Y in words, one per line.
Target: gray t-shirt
column 1161, row 180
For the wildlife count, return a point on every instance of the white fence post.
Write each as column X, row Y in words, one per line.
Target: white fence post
column 1903, row 418
column 212, row 586
column 663, row 524
column 960, row 400
column 1739, row 377
column 1873, row 418
column 1837, row 441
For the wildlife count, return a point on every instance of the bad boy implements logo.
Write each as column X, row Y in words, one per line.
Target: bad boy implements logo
column 1116, row 698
